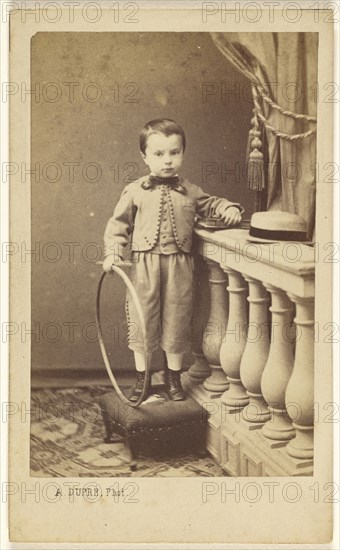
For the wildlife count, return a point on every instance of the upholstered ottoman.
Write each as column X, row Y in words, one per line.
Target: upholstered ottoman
column 159, row 425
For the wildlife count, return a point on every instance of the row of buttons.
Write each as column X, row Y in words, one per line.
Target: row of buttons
column 173, row 221
column 165, row 205
column 165, row 227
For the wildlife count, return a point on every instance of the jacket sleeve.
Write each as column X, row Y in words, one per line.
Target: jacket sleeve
column 118, row 230
column 209, row 205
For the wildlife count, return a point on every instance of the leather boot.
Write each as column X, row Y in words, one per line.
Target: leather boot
column 137, row 390
column 173, row 385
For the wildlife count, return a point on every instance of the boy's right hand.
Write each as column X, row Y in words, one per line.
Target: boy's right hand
column 110, row 261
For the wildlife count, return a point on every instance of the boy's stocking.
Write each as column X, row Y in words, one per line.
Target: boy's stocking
column 140, row 360
column 174, row 360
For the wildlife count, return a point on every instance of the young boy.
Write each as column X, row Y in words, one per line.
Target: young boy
column 153, row 224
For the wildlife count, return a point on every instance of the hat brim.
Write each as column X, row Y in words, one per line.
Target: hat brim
column 258, row 240
column 270, row 241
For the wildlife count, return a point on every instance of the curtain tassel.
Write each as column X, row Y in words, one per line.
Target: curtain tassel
column 255, row 165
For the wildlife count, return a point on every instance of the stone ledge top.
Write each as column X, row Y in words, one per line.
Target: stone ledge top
column 232, row 248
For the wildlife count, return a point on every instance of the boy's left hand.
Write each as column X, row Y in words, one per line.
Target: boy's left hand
column 231, row 216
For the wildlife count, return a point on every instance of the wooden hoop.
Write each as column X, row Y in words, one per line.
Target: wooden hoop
column 129, row 285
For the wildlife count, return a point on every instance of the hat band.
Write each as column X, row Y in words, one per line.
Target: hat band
column 277, row 235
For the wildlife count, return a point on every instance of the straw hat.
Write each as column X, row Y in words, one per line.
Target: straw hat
column 274, row 226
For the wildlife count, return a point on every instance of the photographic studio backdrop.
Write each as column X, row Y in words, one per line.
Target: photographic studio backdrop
column 93, row 93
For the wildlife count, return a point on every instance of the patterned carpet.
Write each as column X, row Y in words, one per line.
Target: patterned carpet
column 67, row 441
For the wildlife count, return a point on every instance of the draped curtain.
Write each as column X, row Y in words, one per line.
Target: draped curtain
column 282, row 70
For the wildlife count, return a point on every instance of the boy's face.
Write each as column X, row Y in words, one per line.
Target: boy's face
column 163, row 154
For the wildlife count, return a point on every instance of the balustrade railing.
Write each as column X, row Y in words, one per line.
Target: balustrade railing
column 258, row 339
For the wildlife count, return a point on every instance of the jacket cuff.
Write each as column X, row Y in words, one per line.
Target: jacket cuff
column 237, row 205
column 121, row 252
column 222, row 208
column 116, row 251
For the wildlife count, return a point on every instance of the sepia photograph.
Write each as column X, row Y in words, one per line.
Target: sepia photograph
column 186, row 160
column 170, row 257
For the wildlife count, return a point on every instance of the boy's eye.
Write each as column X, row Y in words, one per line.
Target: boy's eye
column 158, row 154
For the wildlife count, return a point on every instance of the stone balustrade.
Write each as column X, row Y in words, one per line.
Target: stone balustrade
column 254, row 351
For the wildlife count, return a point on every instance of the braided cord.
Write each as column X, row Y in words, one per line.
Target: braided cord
column 281, row 110
column 283, row 135
column 289, row 137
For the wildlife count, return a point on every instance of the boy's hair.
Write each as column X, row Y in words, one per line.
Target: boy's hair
column 164, row 126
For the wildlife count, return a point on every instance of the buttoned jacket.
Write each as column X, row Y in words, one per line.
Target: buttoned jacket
column 137, row 216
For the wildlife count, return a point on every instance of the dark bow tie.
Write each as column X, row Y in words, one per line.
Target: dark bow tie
column 172, row 182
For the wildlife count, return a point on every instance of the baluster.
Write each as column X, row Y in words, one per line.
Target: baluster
column 278, row 368
column 256, row 352
column 234, row 342
column 300, row 389
column 212, row 337
column 200, row 370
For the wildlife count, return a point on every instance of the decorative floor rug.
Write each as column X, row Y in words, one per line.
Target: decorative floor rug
column 67, row 441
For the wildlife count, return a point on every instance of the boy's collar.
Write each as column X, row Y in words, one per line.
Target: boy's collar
column 172, row 182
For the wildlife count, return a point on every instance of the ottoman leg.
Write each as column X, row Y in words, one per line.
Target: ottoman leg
column 133, row 452
column 108, row 430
